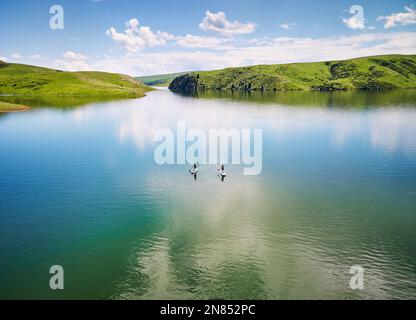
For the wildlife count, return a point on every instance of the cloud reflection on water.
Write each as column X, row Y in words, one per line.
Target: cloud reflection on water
column 387, row 129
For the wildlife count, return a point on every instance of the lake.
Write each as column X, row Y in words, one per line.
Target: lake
column 79, row 188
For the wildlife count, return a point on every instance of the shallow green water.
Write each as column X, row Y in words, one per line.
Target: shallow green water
column 79, row 187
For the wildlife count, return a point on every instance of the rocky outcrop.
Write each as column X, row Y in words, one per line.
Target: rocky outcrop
column 186, row 84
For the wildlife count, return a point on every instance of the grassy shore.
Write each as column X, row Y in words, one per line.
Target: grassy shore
column 11, row 107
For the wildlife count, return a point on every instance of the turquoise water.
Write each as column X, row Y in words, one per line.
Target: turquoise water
column 79, row 187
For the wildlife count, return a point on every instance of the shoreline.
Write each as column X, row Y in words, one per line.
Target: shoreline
column 57, row 101
column 6, row 107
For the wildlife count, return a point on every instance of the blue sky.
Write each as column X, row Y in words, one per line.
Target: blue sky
column 148, row 37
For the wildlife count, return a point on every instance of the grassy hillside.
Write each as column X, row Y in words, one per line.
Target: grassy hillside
column 21, row 79
column 368, row 73
column 161, row 80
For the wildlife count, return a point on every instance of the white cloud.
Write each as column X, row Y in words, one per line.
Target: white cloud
column 16, row 56
column 403, row 18
column 393, row 130
column 288, row 25
column 136, row 38
column 354, row 23
column 70, row 55
column 72, row 61
column 287, row 49
column 36, row 57
column 217, row 22
column 158, row 63
column 4, row 59
column 190, row 41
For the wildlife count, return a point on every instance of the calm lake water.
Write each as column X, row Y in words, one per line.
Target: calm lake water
column 79, row 187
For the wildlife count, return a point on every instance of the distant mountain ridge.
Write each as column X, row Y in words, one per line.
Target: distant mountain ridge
column 160, row 80
column 367, row 73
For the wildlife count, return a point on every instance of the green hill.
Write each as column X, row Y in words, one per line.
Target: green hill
column 368, row 73
column 26, row 80
column 161, row 80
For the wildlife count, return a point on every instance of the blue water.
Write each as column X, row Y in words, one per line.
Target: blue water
column 79, row 187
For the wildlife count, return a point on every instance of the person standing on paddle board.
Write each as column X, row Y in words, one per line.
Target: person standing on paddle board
column 221, row 172
column 194, row 171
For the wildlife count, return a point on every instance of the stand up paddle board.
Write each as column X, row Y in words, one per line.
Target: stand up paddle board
column 222, row 173
column 193, row 171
